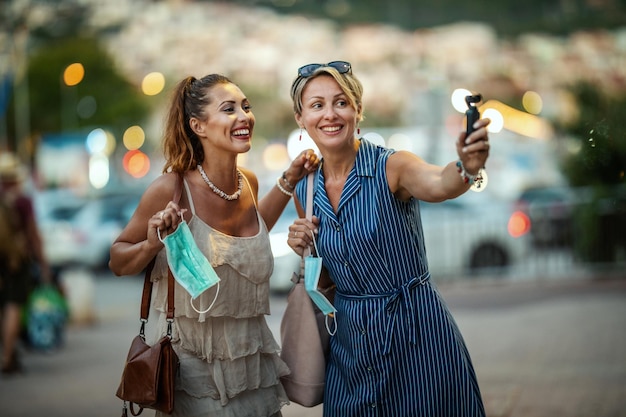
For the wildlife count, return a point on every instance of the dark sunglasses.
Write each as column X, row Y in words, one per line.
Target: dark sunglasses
column 342, row 67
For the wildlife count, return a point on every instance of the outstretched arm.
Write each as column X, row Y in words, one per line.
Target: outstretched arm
column 410, row 176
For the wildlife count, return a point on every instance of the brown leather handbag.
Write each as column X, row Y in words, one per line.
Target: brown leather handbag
column 150, row 371
column 149, row 374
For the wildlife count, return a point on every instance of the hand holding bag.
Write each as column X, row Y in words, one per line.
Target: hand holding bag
column 149, row 374
column 304, row 339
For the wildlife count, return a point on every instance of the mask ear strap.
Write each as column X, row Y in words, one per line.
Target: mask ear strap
column 211, row 306
column 334, row 324
column 182, row 219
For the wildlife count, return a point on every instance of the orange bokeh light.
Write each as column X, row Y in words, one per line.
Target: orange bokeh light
column 136, row 163
column 519, row 224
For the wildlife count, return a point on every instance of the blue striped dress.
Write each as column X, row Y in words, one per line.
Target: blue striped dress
column 397, row 350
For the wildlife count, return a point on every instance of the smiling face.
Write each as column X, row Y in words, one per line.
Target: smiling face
column 228, row 119
column 327, row 115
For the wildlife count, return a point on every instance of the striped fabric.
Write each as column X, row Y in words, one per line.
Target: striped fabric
column 397, row 350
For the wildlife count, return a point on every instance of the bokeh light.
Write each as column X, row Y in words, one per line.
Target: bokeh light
column 153, row 84
column 73, row 74
column 96, row 141
column 275, row 156
column 136, row 163
column 298, row 141
column 458, row 99
column 521, row 122
column 99, row 171
column 374, row 138
column 497, row 120
column 519, row 224
column 100, row 141
column 133, row 138
column 401, row 141
column 532, row 102
column 86, row 107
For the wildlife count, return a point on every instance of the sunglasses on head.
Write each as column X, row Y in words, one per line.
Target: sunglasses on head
column 342, row 67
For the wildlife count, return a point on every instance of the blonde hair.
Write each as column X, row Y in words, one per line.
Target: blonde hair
column 349, row 84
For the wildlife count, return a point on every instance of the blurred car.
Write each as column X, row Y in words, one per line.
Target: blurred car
column 469, row 236
column 78, row 232
column 464, row 236
column 286, row 261
column 550, row 210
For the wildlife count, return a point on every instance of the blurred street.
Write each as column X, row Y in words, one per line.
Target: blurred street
column 541, row 348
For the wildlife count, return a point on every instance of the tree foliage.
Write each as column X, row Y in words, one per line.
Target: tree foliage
column 55, row 107
column 599, row 166
column 601, row 159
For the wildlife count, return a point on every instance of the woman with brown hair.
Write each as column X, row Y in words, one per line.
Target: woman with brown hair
column 229, row 362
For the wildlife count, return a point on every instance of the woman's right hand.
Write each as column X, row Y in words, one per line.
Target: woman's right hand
column 301, row 234
column 164, row 222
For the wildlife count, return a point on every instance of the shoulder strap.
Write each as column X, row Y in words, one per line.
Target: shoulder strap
column 308, row 211
column 146, row 295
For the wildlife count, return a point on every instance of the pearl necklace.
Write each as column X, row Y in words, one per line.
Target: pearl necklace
column 219, row 192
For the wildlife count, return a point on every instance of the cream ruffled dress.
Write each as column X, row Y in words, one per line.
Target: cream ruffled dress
column 229, row 359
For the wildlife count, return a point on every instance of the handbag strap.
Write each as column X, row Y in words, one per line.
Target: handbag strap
column 308, row 213
column 146, row 295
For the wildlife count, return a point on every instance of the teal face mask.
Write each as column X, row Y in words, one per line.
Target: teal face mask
column 312, row 271
column 188, row 264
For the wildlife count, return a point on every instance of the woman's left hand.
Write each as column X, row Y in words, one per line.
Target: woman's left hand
column 301, row 234
column 473, row 150
column 303, row 164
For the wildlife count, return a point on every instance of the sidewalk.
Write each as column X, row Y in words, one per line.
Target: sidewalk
column 540, row 349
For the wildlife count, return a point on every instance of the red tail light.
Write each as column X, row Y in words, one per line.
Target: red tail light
column 519, row 224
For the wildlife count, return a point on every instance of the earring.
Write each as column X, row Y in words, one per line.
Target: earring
column 358, row 130
column 300, row 138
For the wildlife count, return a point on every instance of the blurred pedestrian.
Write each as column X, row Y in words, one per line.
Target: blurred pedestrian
column 229, row 362
column 22, row 261
column 397, row 351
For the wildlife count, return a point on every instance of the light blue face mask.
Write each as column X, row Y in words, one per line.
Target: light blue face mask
column 312, row 271
column 188, row 264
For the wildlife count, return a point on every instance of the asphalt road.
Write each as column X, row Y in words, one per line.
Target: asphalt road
column 541, row 348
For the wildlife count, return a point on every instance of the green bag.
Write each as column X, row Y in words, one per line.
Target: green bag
column 46, row 317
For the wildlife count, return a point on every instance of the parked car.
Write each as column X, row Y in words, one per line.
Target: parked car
column 464, row 237
column 286, row 261
column 467, row 236
column 550, row 210
column 78, row 232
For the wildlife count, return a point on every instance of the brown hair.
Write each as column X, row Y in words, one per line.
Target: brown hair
column 181, row 146
column 349, row 84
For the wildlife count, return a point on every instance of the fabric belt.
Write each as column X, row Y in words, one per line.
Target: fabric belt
column 400, row 295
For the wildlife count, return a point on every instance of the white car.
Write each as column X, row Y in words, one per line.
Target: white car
column 286, row 261
column 466, row 236
column 78, row 232
column 470, row 236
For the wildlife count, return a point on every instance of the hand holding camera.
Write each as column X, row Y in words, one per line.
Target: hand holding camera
column 472, row 114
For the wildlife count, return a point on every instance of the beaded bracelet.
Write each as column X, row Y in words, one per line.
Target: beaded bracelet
column 287, row 183
column 466, row 176
column 282, row 189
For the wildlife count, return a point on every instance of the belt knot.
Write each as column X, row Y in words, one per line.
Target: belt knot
column 402, row 295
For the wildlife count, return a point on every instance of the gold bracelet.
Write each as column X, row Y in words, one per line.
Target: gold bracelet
column 282, row 189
